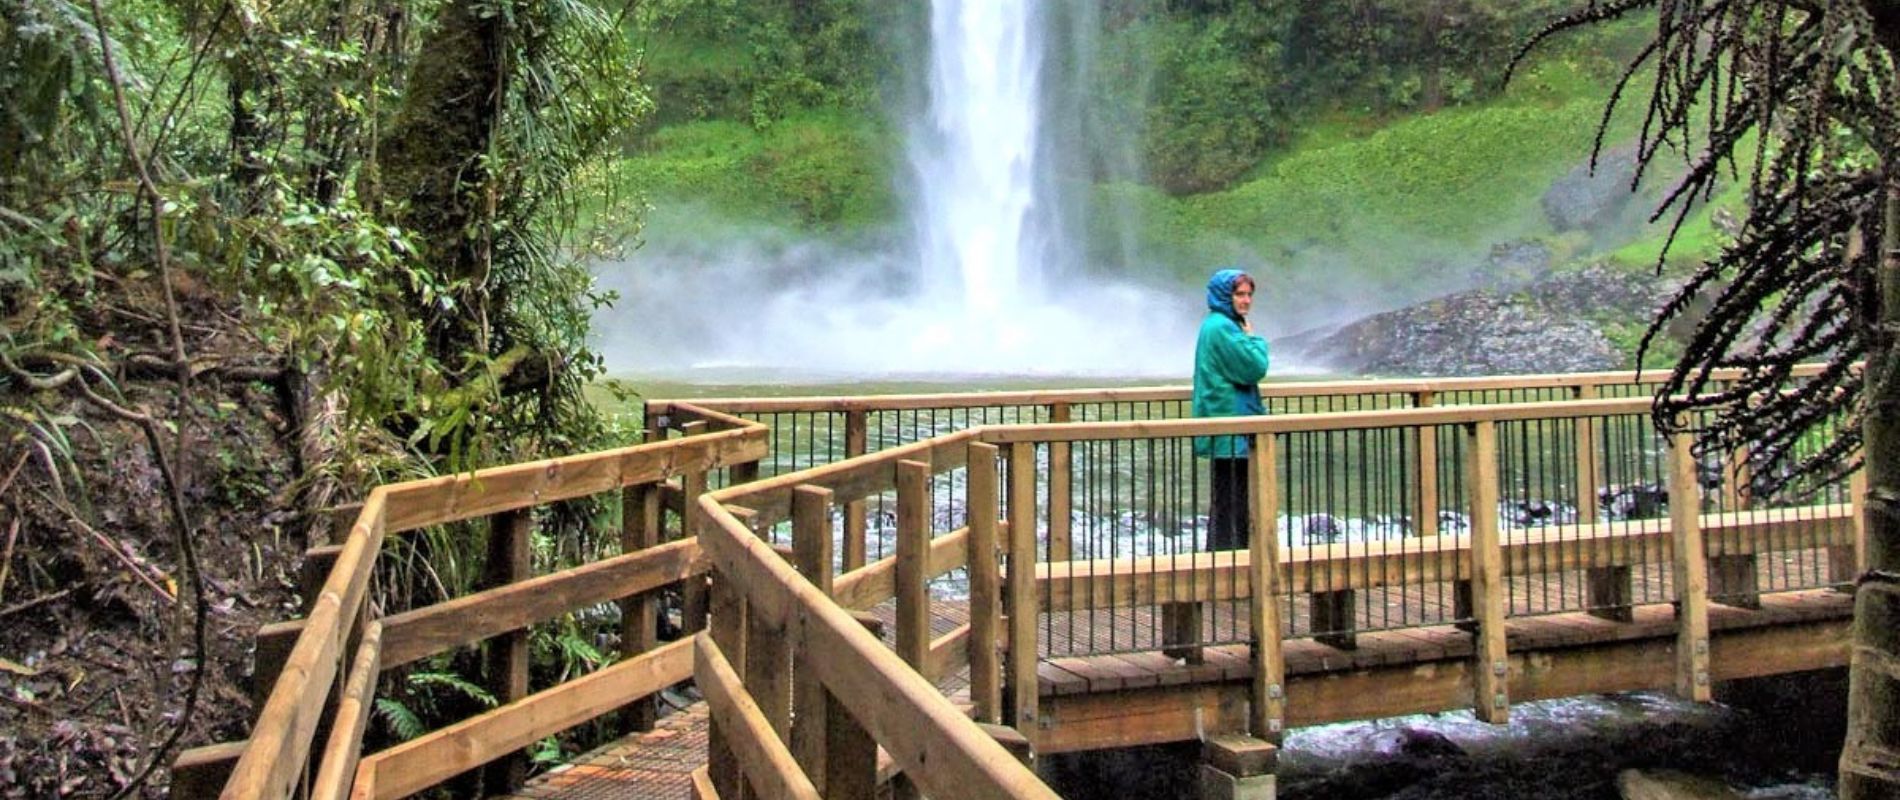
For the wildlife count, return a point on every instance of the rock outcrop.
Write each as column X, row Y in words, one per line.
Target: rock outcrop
column 1551, row 325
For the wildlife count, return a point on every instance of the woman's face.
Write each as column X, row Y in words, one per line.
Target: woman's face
column 1243, row 297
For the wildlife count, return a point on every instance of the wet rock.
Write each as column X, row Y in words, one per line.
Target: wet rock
column 1471, row 333
column 1634, row 501
column 1532, row 513
column 1663, row 784
column 1545, row 322
column 1585, row 200
column 1416, row 742
column 1600, row 289
column 1319, row 528
column 1514, row 264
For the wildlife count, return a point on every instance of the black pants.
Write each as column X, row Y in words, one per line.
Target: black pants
column 1228, row 519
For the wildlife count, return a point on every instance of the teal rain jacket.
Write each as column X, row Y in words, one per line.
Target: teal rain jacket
column 1228, row 366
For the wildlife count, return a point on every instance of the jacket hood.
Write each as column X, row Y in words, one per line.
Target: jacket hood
column 1220, row 292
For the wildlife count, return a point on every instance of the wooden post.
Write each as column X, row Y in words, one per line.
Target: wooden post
column 1012, row 741
column 1610, row 589
column 317, row 562
column 913, row 579
column 639, row 615
column 856, row 439
column 743, row 473
column 986, row 602
column 1733, row 577
column 1021, row 587
column 913, row 562
column 1061, row 499
column 727, row 627
column 850, row 754
column 1238, row 767
column 1492, row 676
column 1586, row 455
column 1845, row 564
column 1691, row 573
column 768, row 673
column 1268, row 714
column 1426, row 469
column 811, row 541
column 201, row 772
column 693, row 595
column 510, row 550
column 1736, row 475
column 768, row 654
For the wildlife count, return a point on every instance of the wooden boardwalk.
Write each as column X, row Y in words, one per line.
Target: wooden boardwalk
column 1120, row 698
column 656, row 765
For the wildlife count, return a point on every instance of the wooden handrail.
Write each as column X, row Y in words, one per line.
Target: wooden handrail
column 903, row 711
column 452, row 498
column 439, row 755
column 1046, row 397
column 277, row 756
column 338, row 772
column 939, row 748
column 765, row 760
column 1215, row 576
column 444, row 626
column 274, row 759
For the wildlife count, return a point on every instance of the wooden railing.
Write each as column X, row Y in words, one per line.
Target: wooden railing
column 845, row 695
column 308, row 737
column 999, row 532
column 811, row 432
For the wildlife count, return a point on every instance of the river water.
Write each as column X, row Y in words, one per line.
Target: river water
column 1773, row 739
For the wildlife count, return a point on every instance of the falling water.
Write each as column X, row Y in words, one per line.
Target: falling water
column 979, row 219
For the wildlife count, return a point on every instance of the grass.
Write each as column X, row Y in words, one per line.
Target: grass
column 823, row 170
column 1440, row 185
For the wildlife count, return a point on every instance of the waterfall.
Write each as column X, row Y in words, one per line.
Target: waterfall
column 982, row 224
column 991, row 280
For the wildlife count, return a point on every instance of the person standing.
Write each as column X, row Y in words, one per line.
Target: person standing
column 1229, row 362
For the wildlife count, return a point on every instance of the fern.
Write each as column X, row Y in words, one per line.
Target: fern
column 425, row 681
column 576, row 648
column 547, row 752
column 401, row 720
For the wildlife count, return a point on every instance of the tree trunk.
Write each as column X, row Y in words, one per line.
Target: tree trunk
column 435, row 160
column 1870, row 758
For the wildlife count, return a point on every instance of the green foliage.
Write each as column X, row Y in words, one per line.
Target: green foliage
column 1427, row 186
column 1217, row 101
column 817, row 169
column 420, row 699
column 759, row 62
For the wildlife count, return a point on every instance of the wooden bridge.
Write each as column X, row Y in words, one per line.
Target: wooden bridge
column 918, row 594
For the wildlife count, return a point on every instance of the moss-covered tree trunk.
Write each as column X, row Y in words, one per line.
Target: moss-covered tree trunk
column 1870, row 759
column 435, row 161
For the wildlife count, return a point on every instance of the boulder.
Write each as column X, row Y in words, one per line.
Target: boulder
column 1662, row 784
column 1549, row 325
column 1587, row 200
column 1471, row 333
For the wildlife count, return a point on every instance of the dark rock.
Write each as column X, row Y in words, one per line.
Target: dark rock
column 1549, row 326
column 1634, row 501
column 1583, row 200
column 1514, row 264
column 1321, row 529
column 1663, row 784
column 1422, row 743
column 1472, row 333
